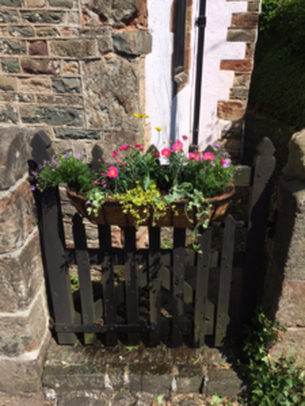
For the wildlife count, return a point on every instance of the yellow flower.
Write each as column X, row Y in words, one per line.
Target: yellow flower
column 159, row 128
column 141, row 115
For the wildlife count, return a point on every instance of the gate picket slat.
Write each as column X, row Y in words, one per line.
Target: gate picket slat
column 104, row 233
column 55, row 262
column 202, row 279
column 178, row 286
column 83, row 266
column 222, row 316
column 155, row 284
column 131, row 285
column 259, row 203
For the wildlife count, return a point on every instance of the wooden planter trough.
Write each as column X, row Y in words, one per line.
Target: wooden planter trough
column 111, row 212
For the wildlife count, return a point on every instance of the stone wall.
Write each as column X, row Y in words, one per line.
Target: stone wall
column 24, row 333
column 244, row 28
column 74, row 68
column 285, row 282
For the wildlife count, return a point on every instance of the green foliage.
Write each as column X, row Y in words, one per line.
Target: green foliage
column 139, row 203
column 69, row 170
column 277, row 84
column 279, row 73
column 270, row 383
column 269, row 14
column 74, row 283
column 142, row 185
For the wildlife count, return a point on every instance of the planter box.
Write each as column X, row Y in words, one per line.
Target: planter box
column 111, row 213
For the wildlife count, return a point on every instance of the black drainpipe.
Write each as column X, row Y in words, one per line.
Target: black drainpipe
column 201, row 23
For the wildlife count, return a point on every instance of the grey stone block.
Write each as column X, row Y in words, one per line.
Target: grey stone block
column 11, row 3
column 76, row 48
column 157, row 378
column 66, row 85
column 190, row 379
column 21, row 276
column 66, row 133
column 23, row 374
column 73, row 377
column 51, row 115
column 17, row 218
column 43, row 16
column 15, row 151
column 9, row 16
column 21, row 31
column 242, row 35
column 61, row 3
column 8, row 114
column 132, row 42
column 224, row 382
column 10, row 65
column 12, row 47
column 23, row 333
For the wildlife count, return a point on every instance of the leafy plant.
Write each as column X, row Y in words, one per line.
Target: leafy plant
column 159, row 399
column 74, row 283
column 270, row 383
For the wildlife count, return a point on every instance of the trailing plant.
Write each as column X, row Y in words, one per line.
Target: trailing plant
column 270, row 383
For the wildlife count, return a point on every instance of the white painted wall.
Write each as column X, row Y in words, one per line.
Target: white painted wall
column 160, row 106
column 216, row 83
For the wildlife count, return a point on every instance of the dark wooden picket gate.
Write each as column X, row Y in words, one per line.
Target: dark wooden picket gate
column 153, row 270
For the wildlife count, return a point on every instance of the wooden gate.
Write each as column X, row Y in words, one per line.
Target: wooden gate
column 153, row 272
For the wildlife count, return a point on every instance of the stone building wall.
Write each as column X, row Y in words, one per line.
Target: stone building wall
column 74, row 68
column 24, row 332
column 284, row 292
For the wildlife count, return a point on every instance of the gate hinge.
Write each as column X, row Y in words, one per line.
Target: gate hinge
column 201, row 21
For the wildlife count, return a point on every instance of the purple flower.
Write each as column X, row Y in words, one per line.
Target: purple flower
column 78, row 155
column 33, row 188
column 39, row 167
column 217, row 145
column 225, row 162
column 212, row 163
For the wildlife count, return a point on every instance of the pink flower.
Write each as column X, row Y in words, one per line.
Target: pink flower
column 157, row 154
column 192, row 155
column 102, row 174
column 208, row 156
column 112, row 172
column 141, row 149
column 184, row 137
column 177, row 146
column 104, row 183
column 124, row 147
column 94, row 182
column 114, row 154
column 166, row 152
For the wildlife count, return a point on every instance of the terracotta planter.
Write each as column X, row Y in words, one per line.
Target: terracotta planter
column 111, row 213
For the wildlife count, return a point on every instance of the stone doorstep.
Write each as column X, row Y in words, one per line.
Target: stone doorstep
column 149, row 378
column 26, row 399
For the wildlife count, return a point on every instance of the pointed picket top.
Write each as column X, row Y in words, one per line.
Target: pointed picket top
column 266, row 147
column 41, row 146
column 229, row 221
